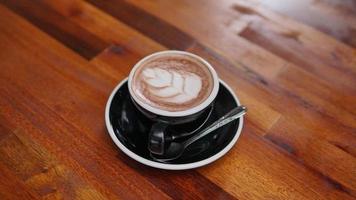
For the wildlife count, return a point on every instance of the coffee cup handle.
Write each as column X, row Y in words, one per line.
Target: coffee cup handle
column 156, row 138
column 181, row 135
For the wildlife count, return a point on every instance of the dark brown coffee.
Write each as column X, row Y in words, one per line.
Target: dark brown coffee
column 172, row 82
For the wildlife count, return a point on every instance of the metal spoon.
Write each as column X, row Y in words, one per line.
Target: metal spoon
column 175, row 149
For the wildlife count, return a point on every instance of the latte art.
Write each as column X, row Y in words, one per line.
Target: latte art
column 172, row 86
column 172, row 83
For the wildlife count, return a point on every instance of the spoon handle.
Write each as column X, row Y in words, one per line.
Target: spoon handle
column 227, row 118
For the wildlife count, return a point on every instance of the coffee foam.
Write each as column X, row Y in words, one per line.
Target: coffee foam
column 172, row 83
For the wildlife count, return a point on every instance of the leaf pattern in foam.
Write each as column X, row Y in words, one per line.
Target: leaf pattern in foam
column 172, row 86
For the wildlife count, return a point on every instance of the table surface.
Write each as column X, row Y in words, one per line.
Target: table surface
column 293, row 63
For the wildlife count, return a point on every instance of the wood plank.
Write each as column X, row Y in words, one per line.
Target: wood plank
column 316, row 152
column 330, row 52
column 256, row 170
column 340, row 16
column 117, row 61
column 59, row 27
column 73, row 67
column 288, row 44
column 127, row 13
column 187, row 185
column 40, row 172
column 26, row 129
column 317, row 91
column 12, row 188
column 103, row 25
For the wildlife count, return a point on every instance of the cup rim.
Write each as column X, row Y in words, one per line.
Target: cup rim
column 191, row 111
column 167, row 166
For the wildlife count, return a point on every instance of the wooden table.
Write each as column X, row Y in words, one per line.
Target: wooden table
column 293, row 63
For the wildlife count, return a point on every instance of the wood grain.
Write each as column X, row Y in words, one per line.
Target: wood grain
column 58, row 27
column 340, row 16
column 296, row 74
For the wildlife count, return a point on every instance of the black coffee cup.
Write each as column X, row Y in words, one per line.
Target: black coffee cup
column 164, row 118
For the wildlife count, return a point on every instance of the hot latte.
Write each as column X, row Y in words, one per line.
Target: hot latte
column 172, row 82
